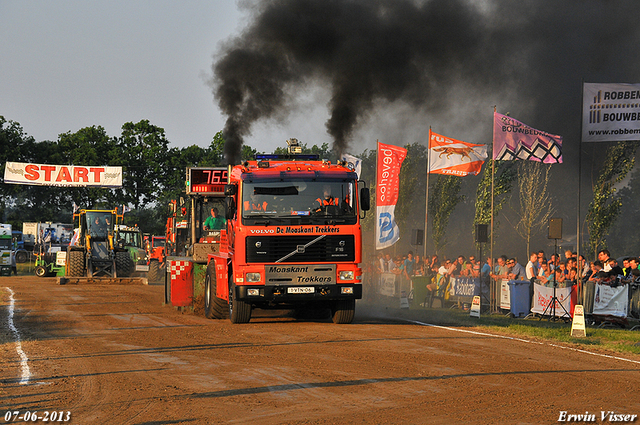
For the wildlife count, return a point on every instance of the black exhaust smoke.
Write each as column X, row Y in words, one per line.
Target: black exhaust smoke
column 530, row 55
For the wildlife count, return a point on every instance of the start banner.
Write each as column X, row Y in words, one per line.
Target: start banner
column 62, row 175
column 390, row 160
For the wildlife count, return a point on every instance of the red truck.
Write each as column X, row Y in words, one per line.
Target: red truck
column 292, row 238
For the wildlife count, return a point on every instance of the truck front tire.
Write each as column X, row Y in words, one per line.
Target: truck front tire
column 343, row 311
column 239, row 311
column 214, row 307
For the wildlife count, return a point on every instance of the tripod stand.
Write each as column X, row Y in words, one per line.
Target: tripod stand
column 551, row 307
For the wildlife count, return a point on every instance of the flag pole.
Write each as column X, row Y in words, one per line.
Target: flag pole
column 426, row 202
column 494, row 291
column 579, row 275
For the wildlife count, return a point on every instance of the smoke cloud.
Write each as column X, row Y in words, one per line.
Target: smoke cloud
column 529, row 57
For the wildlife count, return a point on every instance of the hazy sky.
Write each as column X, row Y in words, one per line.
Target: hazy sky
column 69, row 64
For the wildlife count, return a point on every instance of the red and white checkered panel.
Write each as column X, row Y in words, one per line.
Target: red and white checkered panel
column 178, row 268
column 181, row 272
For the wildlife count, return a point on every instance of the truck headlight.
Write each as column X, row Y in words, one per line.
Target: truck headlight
column 253, row 292
column 346, row 290
column 346, row 275
column 253, row 277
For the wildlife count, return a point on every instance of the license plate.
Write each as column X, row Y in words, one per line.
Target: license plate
column 301, row 290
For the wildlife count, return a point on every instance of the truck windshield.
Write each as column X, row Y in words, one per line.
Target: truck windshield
column 130, row 238
column 299, row 201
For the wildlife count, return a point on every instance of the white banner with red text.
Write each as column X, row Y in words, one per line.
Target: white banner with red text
column 609, row 301
column 62, row 175
column 542, row 296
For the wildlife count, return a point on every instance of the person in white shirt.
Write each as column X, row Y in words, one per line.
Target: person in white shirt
column 531, row 269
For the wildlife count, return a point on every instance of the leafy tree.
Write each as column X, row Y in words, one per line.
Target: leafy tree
column 505, row 174
column 143, row 150
column 606, row 206
column 411, row 197
column 15, row 146
column 443, row 199
column 87, row 146
column 534, row 198
column 621, row 235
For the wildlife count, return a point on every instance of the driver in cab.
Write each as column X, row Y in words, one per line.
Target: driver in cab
column 254, row 205
column 326, row 200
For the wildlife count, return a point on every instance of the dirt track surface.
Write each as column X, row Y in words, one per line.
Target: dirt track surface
column 117, row 355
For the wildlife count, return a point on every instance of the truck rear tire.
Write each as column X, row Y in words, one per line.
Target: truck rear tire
column 75, row 264
column 124, row 263
column 214, row 307
column 239, row 311
column 22, row 256
column 343, row 311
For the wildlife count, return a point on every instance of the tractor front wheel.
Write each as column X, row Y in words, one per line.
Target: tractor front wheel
column 41, row 271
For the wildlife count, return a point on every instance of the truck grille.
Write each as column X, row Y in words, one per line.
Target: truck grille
column 269, row 249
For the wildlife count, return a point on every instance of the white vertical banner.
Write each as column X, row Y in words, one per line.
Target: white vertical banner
column 610, row 112
column 390, row 160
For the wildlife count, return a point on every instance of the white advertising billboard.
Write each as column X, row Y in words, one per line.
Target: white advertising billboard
column 610, row 112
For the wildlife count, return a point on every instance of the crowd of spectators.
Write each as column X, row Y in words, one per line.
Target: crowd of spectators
column 555, row 270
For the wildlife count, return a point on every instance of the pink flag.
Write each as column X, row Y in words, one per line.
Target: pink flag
column 515, row 140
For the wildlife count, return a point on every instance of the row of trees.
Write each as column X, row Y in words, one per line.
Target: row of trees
column 154, row 173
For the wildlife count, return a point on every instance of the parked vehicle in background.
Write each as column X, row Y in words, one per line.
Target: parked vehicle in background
column 6, row 254
column 21, row 254
column 130, row 238
column 95, row 253
column 35, row 235
column 156, row 259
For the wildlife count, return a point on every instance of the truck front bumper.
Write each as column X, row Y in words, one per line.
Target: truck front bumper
column 296, row 293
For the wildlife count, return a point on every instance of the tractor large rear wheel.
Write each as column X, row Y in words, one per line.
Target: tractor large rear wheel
column 214, row 307
column 75, row 263
column 155, row 272
column 124, row 264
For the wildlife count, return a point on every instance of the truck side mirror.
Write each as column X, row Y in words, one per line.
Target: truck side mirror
column 230, row 207
column 365, row 200
column 230, row 189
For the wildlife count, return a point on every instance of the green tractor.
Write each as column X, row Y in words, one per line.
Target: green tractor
column 130, row 238
column 50, row 263
column 95, row 252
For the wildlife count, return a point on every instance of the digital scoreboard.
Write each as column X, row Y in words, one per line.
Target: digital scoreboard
column 206, row 180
